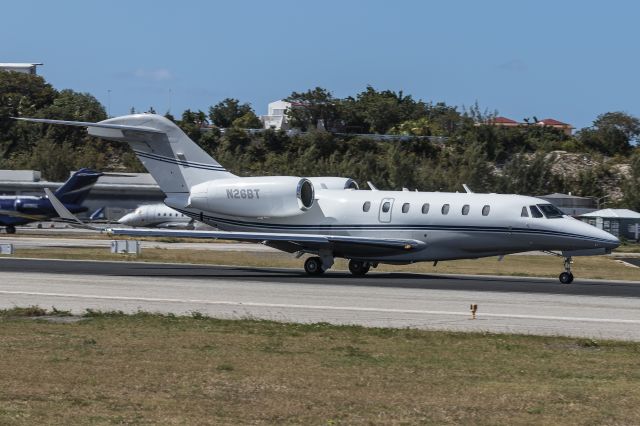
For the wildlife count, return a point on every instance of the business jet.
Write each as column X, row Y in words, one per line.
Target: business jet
column 330, row 217
column 156, row 216
column 22, row 209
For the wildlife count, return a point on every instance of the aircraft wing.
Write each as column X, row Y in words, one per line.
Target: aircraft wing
column 288, row 242
column 339, row 244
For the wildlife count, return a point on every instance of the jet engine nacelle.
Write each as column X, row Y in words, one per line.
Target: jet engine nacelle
column 330, row 182
column 265, row 196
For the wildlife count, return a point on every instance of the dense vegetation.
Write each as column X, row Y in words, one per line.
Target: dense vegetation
column 334, row 140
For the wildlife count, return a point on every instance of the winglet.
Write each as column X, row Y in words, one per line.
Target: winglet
column 65, row 215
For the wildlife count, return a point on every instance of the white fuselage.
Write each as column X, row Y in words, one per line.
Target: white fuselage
column 501, row 230
column 155, row 215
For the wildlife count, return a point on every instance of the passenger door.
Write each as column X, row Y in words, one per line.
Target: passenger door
column 386, row 207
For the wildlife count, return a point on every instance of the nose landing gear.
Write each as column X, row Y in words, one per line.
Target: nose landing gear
column 567, row 277
column 10, row 229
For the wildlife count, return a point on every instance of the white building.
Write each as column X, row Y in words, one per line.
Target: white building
column 276, row 117
column 27, row 68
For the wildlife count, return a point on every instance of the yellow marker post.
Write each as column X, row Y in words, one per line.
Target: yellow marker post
column 474, row 309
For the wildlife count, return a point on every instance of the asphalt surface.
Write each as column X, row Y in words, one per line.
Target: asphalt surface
column 586, row 308
column 632, row 260
column 299, row 277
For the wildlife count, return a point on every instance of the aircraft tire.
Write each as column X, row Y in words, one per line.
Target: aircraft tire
column 358, row 268
column 11, row 229
column 566, row 278
column 313, row 266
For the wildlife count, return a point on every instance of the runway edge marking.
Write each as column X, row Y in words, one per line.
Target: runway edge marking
column 319, row 307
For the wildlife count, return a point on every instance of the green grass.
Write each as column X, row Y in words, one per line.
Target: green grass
column 163, row 369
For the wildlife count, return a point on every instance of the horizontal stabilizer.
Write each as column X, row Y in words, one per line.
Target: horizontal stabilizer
column 94, row 125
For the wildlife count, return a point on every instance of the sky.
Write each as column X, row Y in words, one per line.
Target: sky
column 568, row 60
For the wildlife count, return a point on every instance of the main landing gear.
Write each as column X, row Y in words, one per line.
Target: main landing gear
column 317, row 266
column 10, row 229
column 567, row 277
column 313, row 266
column 358, row 267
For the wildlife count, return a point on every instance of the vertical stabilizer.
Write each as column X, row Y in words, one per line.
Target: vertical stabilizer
column 174, row 160
column 77, row 187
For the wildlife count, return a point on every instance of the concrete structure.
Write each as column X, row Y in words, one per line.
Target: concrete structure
column 276, row 117
column 119, row 194
column 623, row 223
column 570, row 204
column 27, row 68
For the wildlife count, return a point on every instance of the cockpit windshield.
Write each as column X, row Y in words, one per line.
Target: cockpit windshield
column 550, row 211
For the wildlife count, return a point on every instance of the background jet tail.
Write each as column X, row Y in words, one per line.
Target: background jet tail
column 77, row 187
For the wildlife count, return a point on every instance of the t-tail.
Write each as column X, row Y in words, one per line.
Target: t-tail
column 175, row 161
column 76, row 188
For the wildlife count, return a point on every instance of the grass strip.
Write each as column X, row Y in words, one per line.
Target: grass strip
column 151, row 368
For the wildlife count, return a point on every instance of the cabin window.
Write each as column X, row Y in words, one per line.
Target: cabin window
column 366, row 206
column 535, row 212
column 486, row 210
column 445, row 209
column 425, row 208
column 386, row 206
column 405, row 207
column 164, row 214
column 465, row 209
column 158, row 214
column 525, row 212
column 550, row 211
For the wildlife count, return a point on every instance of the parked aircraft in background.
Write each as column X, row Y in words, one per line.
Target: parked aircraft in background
column 22, row 209
column 328, row 217
column 156, row 216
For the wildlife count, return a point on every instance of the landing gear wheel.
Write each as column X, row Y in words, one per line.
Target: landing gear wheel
column 313, row 266
column 566, row 278
column 358, row 268
column 11, row 229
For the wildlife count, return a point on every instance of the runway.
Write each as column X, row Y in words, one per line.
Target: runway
column 587, row 308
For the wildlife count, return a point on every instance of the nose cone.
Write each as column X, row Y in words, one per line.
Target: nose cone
column 127, row 219
column 600, row 237
column 610, row 241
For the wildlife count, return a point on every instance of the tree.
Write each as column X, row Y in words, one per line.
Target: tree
column 248, row 121
column 632, row 185
column 310, row 108
column 224, row 113
column 612, row 133
column 383, row 110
